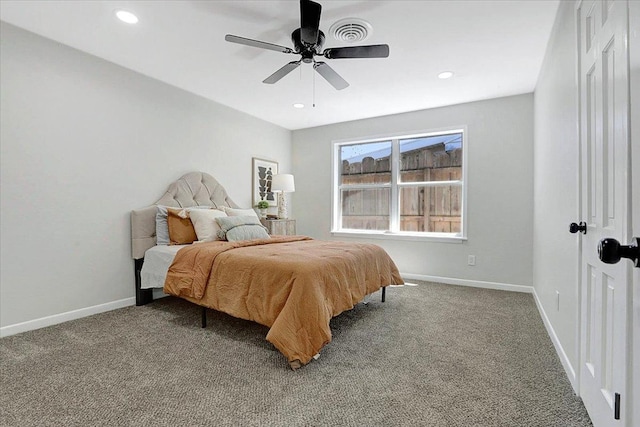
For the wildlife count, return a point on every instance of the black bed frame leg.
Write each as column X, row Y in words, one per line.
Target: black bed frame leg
column 384, row 290
column 143, row 296
column 204, row 317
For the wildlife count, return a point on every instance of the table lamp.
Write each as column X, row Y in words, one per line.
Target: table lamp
column 282, row 183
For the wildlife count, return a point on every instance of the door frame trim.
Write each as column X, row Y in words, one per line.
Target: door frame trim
column 578, row 266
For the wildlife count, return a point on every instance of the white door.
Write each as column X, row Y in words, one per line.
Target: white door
column 605, row 207
column 634, row 66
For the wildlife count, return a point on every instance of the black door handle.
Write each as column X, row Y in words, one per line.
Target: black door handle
column 610, row 251
column 574, row 228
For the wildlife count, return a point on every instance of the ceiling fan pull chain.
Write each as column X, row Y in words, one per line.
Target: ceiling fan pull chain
column 314, row 90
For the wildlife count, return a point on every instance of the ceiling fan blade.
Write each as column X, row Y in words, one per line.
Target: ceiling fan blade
column 330, row 75
column 257, row 43
column 309, row 21
column 273, row 78
column 371, row 51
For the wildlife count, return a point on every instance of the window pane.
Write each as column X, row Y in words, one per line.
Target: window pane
column 365, row 209
column 431, row 158
column 431, row 209
column 366, row 163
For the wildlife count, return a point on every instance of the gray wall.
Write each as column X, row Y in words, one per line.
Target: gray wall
column 499, row 179
column 556, row 160
column 83, row 142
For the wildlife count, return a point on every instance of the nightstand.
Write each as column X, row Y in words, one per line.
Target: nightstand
column 286, row 227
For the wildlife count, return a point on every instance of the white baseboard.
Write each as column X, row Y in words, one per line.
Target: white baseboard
column 472, row 283
column 564, row 359
column 42, row 322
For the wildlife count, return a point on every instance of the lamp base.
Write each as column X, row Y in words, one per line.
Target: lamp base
column 282, row 206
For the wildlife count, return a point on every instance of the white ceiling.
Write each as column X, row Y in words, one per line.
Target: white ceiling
column 495, row 49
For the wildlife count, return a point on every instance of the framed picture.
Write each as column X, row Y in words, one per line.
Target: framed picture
column 263, row 171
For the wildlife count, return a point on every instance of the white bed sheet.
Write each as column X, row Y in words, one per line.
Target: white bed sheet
column 157, row 261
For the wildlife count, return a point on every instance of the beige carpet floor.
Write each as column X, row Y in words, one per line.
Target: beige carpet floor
column 432, row 355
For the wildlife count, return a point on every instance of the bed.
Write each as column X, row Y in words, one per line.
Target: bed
column 292, row 284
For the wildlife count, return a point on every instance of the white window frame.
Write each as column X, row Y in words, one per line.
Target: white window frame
column 394, row 232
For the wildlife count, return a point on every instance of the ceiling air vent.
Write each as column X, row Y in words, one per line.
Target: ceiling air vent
column 351, row 30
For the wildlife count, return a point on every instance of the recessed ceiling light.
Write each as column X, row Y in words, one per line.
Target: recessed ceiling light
column 445, row 75
column 127, row 17
column 298, row 105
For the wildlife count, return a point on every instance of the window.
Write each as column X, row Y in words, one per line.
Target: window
column 401, row 186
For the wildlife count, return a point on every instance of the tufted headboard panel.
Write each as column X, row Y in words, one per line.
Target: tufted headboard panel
column 192, row 189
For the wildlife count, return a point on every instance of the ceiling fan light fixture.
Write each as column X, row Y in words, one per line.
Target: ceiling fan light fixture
column 445, row 75
column 298, row 105
column 126, row 17
column 351, row 30
column 308, row 42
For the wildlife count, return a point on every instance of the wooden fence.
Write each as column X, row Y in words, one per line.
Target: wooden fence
column 425, row 208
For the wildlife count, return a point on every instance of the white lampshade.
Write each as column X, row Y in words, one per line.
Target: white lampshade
column 283, row 182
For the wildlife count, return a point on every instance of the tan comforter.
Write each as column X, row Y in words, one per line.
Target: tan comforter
column 292, row 284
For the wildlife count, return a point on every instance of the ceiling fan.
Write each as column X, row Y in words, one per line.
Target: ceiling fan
column 308, row 41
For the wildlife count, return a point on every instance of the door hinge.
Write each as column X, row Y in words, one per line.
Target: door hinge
column 616, row 407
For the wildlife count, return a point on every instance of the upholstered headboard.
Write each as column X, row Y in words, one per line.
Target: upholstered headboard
column 192, row 189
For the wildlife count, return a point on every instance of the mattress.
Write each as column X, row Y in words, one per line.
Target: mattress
column 156, row 263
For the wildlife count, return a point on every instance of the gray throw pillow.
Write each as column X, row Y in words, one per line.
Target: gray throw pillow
column 235, row 228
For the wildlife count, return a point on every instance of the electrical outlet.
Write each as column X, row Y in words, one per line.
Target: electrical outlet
column 471, row 260
column 557, row 301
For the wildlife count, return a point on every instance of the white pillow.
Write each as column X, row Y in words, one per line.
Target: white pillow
column 239, row 212
column 204, row 222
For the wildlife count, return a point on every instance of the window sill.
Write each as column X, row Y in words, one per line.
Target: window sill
column 385, row 235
